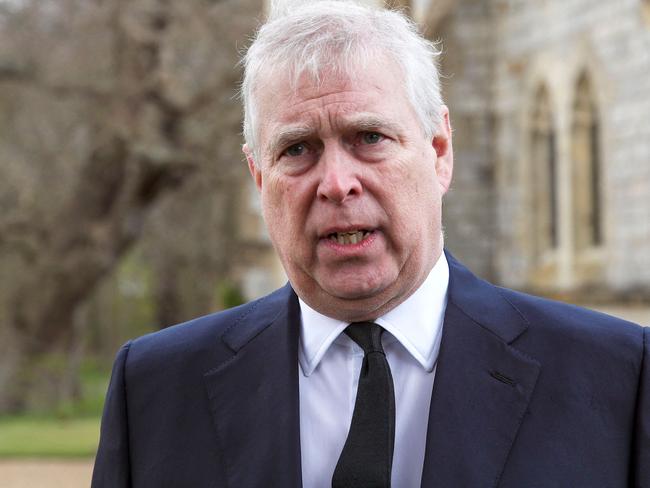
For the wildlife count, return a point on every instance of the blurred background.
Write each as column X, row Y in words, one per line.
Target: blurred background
column 126, row 206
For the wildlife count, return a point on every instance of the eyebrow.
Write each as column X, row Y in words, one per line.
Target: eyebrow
column 359, row 122
column 289, row 135
column 368, row 122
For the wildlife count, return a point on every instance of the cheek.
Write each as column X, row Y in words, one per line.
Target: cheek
column 284, row 205
column 423, row 179
column 276, row 190
column 410, row 183
column 414, row 200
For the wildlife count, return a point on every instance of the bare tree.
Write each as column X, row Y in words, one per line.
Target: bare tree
column 103, row 110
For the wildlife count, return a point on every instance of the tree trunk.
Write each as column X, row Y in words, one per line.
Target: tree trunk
column 38, row 380
column 11, row 372
column 140, row 145
column 167, row 296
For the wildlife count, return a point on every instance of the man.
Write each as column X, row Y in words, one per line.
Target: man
column 383, row 361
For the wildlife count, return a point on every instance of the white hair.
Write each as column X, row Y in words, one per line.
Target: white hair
column 339, row 36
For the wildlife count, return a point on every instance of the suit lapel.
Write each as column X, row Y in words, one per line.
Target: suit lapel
column 482, row 386
column 482, row 389
column 254, row 396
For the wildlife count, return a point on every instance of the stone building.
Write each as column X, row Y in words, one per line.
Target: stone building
column 550, row 105
column 550, row 100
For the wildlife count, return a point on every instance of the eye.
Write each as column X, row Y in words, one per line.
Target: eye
column 371, row 137
column 295, row 150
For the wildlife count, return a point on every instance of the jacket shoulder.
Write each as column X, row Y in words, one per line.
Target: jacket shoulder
column 513, row 315
column 573, row 326
column 213, row 337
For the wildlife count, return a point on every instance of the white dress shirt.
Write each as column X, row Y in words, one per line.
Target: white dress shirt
column 329, row 372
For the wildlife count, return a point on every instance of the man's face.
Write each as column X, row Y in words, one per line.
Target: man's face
column 351, row 189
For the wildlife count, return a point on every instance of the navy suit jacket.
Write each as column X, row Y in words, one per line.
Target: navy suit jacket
column 528, row 393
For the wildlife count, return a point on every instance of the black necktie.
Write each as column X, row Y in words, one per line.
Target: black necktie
column 367, row 456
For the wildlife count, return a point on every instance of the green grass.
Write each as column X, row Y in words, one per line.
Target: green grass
column 26, row 436
column 68, row 430
column 94, row 383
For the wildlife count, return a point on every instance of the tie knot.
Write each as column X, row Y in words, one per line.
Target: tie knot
column 367, row 335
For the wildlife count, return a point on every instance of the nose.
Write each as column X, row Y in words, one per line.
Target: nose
column 339, row 176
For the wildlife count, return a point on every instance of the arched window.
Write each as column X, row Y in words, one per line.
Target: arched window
column 586, row 184
column 543, row 175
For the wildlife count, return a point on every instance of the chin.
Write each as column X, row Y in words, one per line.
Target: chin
column 355, row 291
column 357, row 284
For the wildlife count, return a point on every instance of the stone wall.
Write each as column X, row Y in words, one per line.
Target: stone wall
column 553, row 43
column 467, row 68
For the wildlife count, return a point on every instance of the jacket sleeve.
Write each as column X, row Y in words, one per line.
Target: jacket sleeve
column 112, row 465
column 642, row 426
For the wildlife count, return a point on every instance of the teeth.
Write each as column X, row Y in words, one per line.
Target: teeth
column 344, row 238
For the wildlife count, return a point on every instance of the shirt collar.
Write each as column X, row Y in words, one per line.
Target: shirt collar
column 416, row 323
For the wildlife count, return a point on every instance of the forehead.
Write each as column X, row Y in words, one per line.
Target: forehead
column 374, row 90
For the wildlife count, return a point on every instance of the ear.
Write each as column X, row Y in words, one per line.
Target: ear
column 444, row 151
column 252, row 167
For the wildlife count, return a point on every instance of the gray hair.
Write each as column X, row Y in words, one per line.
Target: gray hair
column 309, row 37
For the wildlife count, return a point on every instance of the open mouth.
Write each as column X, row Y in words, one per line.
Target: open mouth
column 353, row 237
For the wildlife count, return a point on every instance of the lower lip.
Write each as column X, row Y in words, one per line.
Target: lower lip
column 350, row 248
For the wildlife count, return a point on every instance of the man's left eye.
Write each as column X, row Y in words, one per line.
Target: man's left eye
column 371, row 137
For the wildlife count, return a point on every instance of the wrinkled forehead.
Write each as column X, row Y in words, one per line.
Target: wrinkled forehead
column 286, row 80
column 333, row 60
column 365, row 100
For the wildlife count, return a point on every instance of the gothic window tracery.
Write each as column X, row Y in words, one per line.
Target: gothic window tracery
column 586, row 166
column 543, row 175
